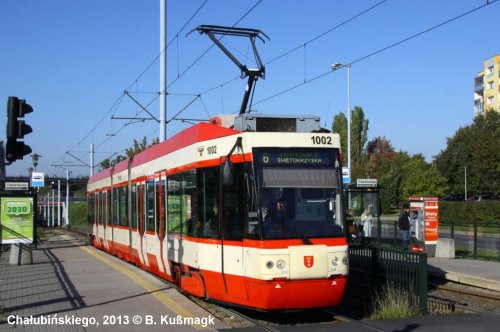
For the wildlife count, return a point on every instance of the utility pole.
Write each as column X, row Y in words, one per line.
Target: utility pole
column 163, row 69
column 91, row 159
column 53, row 203
column 59, row 203
column 67, row 198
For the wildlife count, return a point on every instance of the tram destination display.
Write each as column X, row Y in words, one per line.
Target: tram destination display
column 295, row 158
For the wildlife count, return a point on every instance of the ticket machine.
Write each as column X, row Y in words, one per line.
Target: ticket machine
column 424, row 221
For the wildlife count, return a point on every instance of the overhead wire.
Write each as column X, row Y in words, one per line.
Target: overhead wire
column 301, row 45
column 268, row 62
column 151, row 64
column 139, row 77
column 489, row 2
column 306, row 81
column 211, row 46
column 168, row 44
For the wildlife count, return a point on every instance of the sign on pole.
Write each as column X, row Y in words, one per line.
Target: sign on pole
column 367, row 183
column 16, row 217
column 37, row 179
column 346, row 175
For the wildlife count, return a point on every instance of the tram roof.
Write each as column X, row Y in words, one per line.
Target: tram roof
column 198, row 133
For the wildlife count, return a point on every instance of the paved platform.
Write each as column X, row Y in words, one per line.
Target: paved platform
column 467, row 271
column 74, row 287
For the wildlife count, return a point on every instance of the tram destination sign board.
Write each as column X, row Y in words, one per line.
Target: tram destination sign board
column 366, row 183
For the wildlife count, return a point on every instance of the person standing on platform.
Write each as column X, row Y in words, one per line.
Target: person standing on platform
column 367, row 221
column 404, row 224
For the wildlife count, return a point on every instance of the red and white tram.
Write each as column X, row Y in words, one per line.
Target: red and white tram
column 244, row 210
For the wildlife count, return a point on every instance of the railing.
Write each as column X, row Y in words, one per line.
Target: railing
column 403, row 270
column 472, row 239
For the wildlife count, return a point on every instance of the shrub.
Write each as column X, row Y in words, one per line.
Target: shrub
column 486, row 212
column 393, row 302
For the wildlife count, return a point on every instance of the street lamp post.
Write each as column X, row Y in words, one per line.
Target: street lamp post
column 35, row 158
column 337, row 66
column 53, row 204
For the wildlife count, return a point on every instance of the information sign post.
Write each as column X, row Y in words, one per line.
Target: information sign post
column 18, row 220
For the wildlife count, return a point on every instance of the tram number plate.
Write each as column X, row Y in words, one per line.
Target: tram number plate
column 323, row 140
column 212, row 149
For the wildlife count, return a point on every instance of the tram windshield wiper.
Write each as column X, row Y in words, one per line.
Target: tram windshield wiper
column 304, row 239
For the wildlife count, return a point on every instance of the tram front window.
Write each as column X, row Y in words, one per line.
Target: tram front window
column 299, row 194
column 299, row 213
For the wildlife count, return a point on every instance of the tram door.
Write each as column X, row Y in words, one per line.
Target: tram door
column 94, row 200
column 105, row 228
column 141, row 224
column 232, row 236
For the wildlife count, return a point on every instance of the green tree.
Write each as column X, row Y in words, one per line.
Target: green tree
column 129, row 152
column 340, row 126
column 378, row 150
column 475, row 147
column 422, row 179
column 359, row 135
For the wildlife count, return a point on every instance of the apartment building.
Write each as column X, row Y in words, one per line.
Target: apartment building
column 487, row 87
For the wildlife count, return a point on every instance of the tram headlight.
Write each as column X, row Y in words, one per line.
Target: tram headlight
column 345, row 260
column 280, row 264
column 269, row 264
column 335, row 261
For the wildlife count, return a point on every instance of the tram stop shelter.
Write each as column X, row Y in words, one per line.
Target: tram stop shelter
column 361, row 195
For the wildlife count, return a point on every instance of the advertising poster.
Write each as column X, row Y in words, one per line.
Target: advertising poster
column 431, row 222
column 16, row 219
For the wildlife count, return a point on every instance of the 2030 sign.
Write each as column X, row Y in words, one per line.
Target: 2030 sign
column 16, row 207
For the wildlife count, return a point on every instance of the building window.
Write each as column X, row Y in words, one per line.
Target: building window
column 490, row 85
column 489, row 71
column 489, row 101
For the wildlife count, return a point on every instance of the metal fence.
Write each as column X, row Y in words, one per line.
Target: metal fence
column 472, row 239
column 384, row 267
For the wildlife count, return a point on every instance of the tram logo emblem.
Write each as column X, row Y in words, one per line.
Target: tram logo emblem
column 200, row 151
column 308, row 261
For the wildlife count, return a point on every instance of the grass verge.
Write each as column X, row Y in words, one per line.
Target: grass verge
column 392, row 303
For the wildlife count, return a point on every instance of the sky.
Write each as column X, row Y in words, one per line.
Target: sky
column 73, row 60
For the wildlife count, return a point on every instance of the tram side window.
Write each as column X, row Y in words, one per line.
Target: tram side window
column 160, row 208
column 115, row 210
column 209, row 202
column 123, row 206
column 102, row 207
column 140, row 208
column 189, row 216
column 108, row 207
column 133, row 201
column 91, row 208
column 233, row 202
column 99, row 205
column 101, row 202
column 174, row 203
column 95, row 199
column 150, row 206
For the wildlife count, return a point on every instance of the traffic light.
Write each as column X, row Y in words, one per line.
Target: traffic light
column 17, row 128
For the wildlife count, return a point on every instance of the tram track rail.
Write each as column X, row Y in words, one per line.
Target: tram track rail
column 463, row 297
column 442, row 298
column 471, row 292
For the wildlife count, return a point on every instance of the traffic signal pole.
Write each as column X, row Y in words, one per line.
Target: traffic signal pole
column 17, row 129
